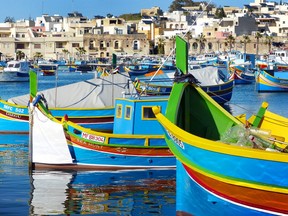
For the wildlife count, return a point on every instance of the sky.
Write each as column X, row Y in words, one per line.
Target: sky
column 24, row 9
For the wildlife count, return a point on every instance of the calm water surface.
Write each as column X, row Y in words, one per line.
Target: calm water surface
column 98, row 193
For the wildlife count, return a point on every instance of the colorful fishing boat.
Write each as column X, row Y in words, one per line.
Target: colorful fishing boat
column 271, row 81
column 91, row 103
column 241, row 74
column 137, row 140
column 47, row 68
column 211, row 79
column 248, row 171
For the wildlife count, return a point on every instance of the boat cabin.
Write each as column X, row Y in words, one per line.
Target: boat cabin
column 135, row 116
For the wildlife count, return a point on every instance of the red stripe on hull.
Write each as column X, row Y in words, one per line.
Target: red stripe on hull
column 125, row 150
column 264, row 200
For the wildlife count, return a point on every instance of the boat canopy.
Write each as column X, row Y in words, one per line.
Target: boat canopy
column 93, row 93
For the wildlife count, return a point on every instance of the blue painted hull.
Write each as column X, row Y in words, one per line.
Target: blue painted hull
column 118, row 150
column 85, row 156
column 14, row 118
column 228, row 165
column 193, row 199
column 268, row 83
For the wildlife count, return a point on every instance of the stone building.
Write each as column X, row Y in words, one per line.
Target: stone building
column 104, row 45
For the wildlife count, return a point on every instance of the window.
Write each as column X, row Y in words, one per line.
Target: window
column 119, row 111
column 147, row 113
column 135, row 45
column 37, row 46
column 116, row 45
column 20, row 46
column 128, row 112
column 210, row 46
column 195, row 46
column 102, row 44
column 75, row 45
column 59, row 45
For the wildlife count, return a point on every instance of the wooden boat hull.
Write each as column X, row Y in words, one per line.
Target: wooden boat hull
column 231, row 172
column 249, row 198
column 15, row 118
column 113, row 151
column 66, row 145
column 221, row 93
column 269, row 83
column 242, row 78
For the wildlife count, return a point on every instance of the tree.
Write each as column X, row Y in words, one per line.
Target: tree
column 188, row 35
column 218, row 45
column 173, row 39
column 268, row 41
column 201, row 40
column 258, row 35
column 20, row 55
column 161, row 45
column 38, row 55
column 135, row 16
column 177, row 5
column 81, row 51
column 9, row 19
column 230, row 40
column 66, row 52
column 220, row 13
column 245, row 40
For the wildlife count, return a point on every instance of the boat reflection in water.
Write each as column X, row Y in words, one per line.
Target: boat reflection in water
column 145, row 192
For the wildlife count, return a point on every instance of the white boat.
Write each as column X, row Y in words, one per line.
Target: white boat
column 15, row 71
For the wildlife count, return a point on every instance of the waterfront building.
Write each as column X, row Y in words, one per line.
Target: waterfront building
column 62, row 37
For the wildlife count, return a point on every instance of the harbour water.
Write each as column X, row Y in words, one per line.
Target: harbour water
column 99, row 193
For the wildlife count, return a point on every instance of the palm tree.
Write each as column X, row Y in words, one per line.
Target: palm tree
column 20, row 54
column 201, row 40
column 230, row 40
column 161, row 44
column 188, row 35
column 245, row 40
column 268, row 41
column 173, row 39
column 38, row 55
column 81, row 51
column 218, row 45
column 258, row 35
column 66, row 52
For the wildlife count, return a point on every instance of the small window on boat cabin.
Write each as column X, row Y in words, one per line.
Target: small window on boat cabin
column 147, row 113
column 119, row 111
column 128, row 112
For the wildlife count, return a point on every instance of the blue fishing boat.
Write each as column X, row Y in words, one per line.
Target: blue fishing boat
column 242, row 170
column 211, row 79
column 271, row 81
column 90, row 103
column 241, row 74
column 136, row 142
